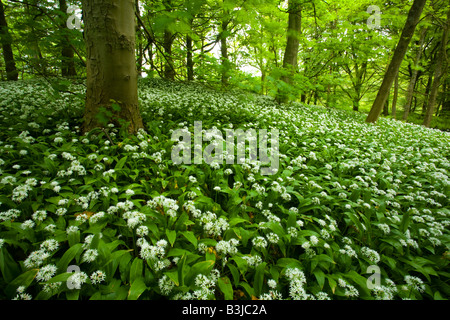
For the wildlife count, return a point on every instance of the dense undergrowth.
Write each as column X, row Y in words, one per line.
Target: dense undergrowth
column 348, row 198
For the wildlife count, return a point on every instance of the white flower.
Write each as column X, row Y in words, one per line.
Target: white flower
column 77, row 279
column 98, row 276
column 415, row 283
column 46, row 273
column 372, row 255
column 90, row 255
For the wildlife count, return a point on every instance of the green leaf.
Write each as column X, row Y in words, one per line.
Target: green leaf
column 189, row 235
column 73, row 294
column 24, row 279
column 320, row 276
column 136, row 270
column 235, row 273
column 9, row 268
column 171, row 236
column 225, row 287
column 202, row 267
column 137, row 289
column 68, row 256
column 259, row 278
column 121, row 163
column 73, row 238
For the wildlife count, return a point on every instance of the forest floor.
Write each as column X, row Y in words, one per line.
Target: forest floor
column 354, row 211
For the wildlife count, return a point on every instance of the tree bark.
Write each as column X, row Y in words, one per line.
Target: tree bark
column 438, row 73
column 394, row 98
column 415, row 72
column 189, row 59
column 6, row 40
column 292, row 45
column 169, row 70
column 386, row 105
column 111, row 66
column 67, row 54
column 397, row 58
column 224, row 52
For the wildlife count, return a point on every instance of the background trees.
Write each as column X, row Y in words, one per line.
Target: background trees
column 317, row 52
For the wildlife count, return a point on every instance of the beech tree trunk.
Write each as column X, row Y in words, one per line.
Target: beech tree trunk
column 438, row 73
column 6, row 40
column 292, row 45
column 415, row 72
column 111, row 66
column 397, row 58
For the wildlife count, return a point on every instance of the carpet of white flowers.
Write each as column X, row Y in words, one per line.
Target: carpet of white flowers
column 356, row 211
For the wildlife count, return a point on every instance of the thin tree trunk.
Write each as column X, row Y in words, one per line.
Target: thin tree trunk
column 438, row 72
column 292, row 45
column 399, row 53
column 394, row 98
column 415, row 72
column 111, row 65
column 224, row 52
column 6, row 40
column 386, row 105
column 67, row 54
column 169, row 71
column 189, row 60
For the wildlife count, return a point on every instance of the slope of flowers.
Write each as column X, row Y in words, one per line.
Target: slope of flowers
column 349, row 199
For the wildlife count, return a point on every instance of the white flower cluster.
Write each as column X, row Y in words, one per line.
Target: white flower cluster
column 205, row 287
column 9, row 215
column 297, row 282
column 370, row 254
column 212, row 225
column 134, row 218
column 350, row 291
column 227, row 247
column 154, row 254
column 386, row 292
column 170, row 206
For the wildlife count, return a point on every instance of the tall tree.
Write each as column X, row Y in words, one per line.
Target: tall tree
column 6, row 40
column 438, row 72
column 111, row 66
column 292, row 45
column 415, row 72
column 397, row 58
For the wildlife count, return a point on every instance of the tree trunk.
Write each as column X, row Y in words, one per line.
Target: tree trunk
column 6, row 40
column 189, row 60
column 292, row 45
column 438, row 72
column 140, row 49
column 67, row 54
column 224, row 53
column 386, row 105
column 427, row 93
column 394, row 98
column 111, row 66
column 169, row 71
column 397, row 58
column 412, row 82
